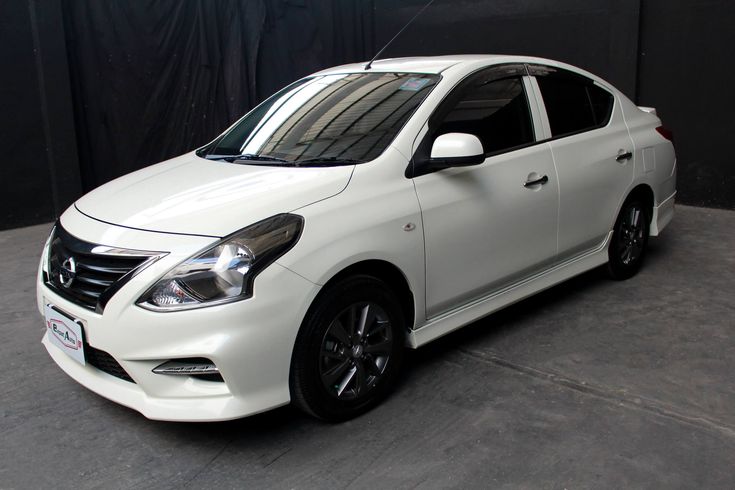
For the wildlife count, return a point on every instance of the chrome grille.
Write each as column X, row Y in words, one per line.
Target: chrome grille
column 89, row 274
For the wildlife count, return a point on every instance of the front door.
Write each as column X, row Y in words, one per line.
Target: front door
column 483, row 228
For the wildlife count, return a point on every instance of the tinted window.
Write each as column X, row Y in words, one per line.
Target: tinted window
column 602, row 104
column 494, row 111
column 333, row 118
column 230, row 142
column 573, row 103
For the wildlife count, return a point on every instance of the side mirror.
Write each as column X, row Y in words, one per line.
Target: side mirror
column 456, row 150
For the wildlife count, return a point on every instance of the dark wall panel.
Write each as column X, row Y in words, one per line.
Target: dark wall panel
column 679, row 64
column 687, row 73
column 598, row 35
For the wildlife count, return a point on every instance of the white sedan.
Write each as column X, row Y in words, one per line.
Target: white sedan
column 357, row 211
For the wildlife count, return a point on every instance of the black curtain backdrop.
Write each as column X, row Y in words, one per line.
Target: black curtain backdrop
column 39, row 170
column 24, row 169
column 153, row 79
column 93, row 89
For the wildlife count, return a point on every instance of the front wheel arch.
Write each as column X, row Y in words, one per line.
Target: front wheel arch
column 386, row 272
column 305, row 376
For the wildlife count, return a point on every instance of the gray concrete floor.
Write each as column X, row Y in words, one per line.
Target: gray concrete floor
column 593, row 384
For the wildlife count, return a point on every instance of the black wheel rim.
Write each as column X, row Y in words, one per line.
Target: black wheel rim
column 632, row 235
column 355, row 351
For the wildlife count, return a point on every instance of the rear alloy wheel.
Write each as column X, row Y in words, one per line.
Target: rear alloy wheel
column 629, row 240
column 349, row 350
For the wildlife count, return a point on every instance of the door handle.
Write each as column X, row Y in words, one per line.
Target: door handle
column 622, row 156
column 541, row 181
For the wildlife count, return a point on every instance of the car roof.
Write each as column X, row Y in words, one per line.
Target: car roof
column 431, row 64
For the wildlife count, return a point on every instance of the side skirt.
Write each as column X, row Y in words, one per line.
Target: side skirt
column 470, row 312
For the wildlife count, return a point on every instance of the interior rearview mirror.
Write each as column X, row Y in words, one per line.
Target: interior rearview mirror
column 456, row 150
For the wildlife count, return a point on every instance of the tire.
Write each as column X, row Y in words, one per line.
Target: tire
column 630, row 239
column 343, row 366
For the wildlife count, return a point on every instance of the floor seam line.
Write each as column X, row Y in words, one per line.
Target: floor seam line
column 612, row 396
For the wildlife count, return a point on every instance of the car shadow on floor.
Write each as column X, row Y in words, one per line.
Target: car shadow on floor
column 497, row 324
column 286, row 421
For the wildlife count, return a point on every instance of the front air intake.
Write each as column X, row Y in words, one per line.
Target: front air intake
column 105, row 363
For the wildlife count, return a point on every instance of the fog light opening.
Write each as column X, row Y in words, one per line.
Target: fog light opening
column 197, row 367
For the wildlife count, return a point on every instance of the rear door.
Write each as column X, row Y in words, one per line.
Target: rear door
column 592, row 150
column 483, row 228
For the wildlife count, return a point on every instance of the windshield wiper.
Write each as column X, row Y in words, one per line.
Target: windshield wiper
column 327, row 161
column 249, row 157
column 246, row 157
column 253, row 159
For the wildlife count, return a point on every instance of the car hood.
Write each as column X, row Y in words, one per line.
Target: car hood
column 192, row 195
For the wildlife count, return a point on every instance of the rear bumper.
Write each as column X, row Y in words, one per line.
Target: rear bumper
column 662, row 215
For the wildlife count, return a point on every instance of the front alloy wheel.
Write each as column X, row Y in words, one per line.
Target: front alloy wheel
column 349, row 350
column 356, row 350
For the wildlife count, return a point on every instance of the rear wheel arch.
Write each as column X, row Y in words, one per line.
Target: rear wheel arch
column 645, row 194
column 627, row 247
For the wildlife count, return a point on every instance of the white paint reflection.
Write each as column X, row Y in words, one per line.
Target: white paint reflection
column 248, row 186
column 276, row 116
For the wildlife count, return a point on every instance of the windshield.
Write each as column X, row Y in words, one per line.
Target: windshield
column 325, row 120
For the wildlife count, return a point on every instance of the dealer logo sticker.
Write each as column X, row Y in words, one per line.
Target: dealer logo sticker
column 66, row 335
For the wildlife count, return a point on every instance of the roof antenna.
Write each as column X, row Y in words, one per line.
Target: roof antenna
column 367, row 67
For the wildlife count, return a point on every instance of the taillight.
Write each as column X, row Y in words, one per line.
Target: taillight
column 666, row 133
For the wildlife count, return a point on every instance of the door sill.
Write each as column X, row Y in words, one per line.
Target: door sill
column 455, row 318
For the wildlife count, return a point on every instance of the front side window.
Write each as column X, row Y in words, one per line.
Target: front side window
column 326, row 120
column 496, row 111
column 573, row 103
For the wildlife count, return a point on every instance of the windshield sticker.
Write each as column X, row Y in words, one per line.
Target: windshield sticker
column 414, row 84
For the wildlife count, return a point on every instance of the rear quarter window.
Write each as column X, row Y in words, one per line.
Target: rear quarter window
column 602, row 104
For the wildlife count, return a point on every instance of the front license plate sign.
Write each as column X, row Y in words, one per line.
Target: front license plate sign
column 65, row 333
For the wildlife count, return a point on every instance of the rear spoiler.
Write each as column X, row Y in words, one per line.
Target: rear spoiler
column 650, row 110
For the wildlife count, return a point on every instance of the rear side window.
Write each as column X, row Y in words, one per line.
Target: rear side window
column 495, row 111
column 573, row 103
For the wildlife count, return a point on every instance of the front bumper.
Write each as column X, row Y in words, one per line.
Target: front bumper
column 250, row 341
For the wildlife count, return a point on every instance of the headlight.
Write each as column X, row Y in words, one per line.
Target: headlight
column 45, row 255
column 225, row 272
